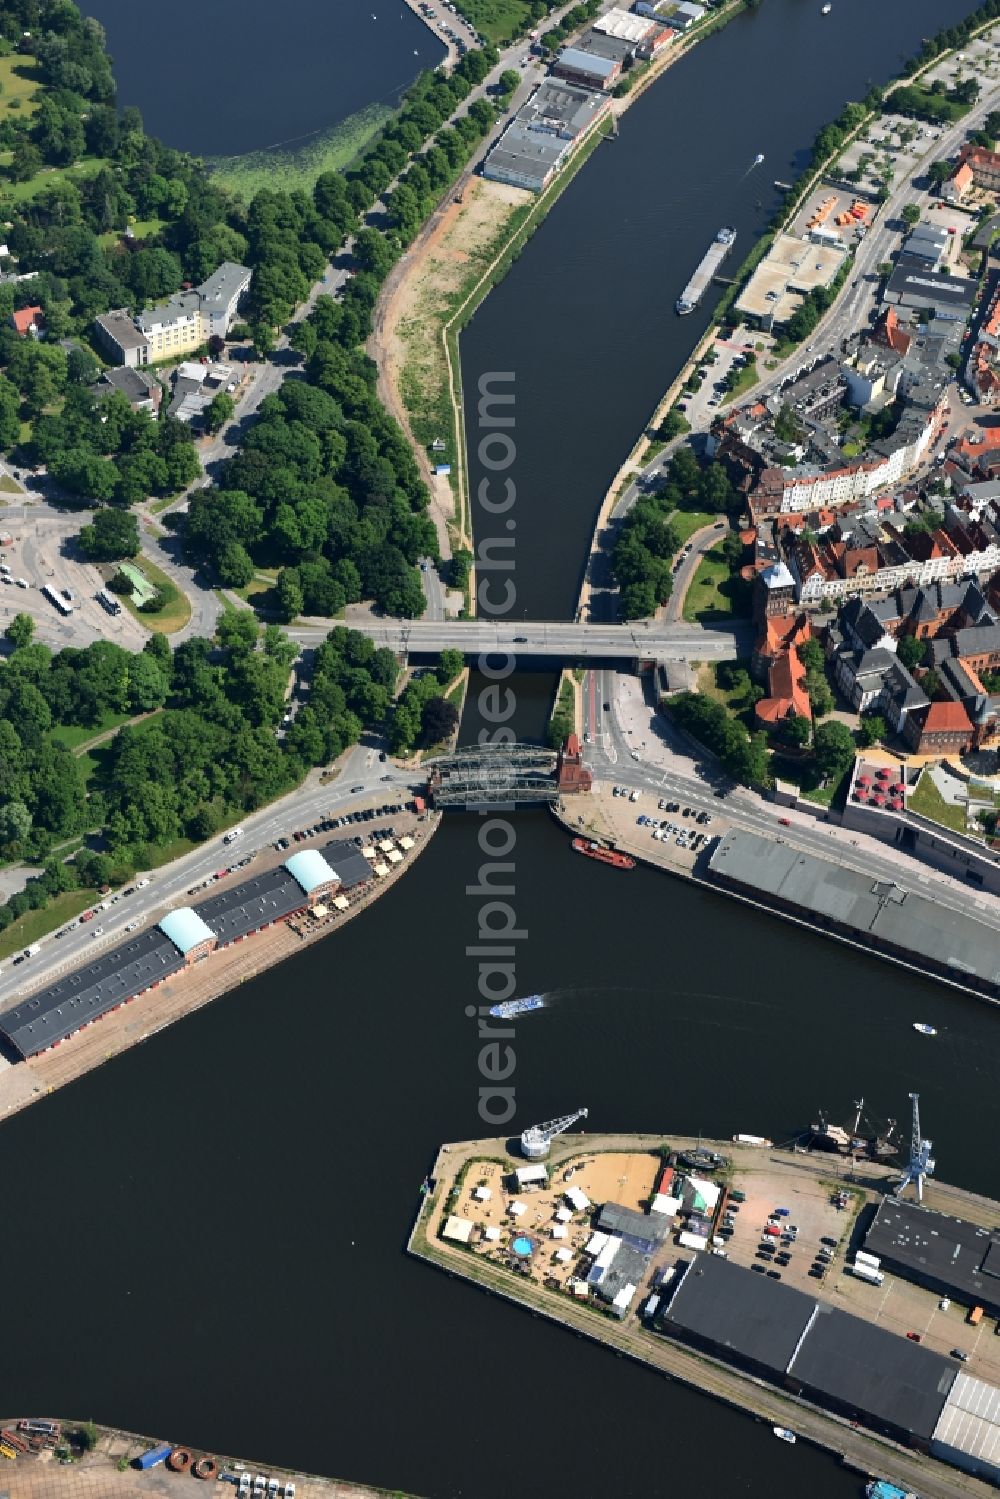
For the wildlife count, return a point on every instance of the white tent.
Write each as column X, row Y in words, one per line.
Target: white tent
column 482, row 1194
column 516, row 1209
column 563, row 1215
column 459, row 1229
column 670, row 1206
column 578, row 1201
column 564, row 1255
column 559, row 1231
column 492, row 1234
column 529, row 1176
column 596, row 1243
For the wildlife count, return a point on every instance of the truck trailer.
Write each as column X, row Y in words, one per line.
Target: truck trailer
column 154, row 1456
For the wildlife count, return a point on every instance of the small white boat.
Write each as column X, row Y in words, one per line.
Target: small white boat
column 783, row 1433
column 925, row 1030
column 758, row 158
column 825, row 10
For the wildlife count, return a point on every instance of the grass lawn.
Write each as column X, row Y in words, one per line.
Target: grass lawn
column 714, row 593
column 732, row 699
column 748, row 375
column 9, row 485
column 72, row 736
column 926, row 800
column 173, row 616
column 20, row 78
column 20, row 192
column 34, row 924
column 687, row 522
column 496, row 20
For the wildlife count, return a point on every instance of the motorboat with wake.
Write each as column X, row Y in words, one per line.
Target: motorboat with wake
column 924, row 1029
column 509, row 1008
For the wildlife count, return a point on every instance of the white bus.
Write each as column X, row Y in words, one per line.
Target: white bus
column 56, row 598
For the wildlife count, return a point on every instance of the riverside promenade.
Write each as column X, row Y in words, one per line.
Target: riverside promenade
column 861, row 1450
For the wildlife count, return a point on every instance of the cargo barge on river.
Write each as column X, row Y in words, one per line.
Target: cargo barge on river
column 707, row 267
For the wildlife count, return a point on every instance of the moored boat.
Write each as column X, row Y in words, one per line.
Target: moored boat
column 783, row 1433
column 881, row 1488
column 604, row 855
column 924, row 1029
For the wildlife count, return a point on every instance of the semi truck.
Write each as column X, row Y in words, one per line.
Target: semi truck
column 865, row 1272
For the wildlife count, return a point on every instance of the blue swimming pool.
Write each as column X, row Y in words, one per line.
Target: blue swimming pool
column 522, row 1246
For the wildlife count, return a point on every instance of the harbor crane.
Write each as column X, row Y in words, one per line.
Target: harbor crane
column 536, row 1140
column 921, row 1162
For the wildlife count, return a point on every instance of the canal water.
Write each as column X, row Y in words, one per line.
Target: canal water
column 204, row 1239
column 227, row 77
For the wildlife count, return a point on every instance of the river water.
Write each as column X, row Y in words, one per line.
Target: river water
column 204, row 1239
column 226, row 77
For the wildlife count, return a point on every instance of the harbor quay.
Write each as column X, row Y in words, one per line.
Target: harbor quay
column 744, row 1271
column 51, row 1460
column 882, row 913
column 251, row 933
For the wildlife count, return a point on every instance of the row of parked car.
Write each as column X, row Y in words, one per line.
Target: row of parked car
column 663, row 831
column 261, row 1484
column 329, row 824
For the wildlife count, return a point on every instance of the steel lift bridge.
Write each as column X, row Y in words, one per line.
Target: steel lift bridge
column 493, row 775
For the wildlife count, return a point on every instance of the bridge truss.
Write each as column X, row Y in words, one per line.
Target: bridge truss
column 494, row 775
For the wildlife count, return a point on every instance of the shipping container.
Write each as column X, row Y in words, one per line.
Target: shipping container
column 975, row 1316
column 154, row 1456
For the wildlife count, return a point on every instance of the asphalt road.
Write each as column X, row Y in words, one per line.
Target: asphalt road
column 551, row 638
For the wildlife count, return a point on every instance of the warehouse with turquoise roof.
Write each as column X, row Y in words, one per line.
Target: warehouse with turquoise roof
column 192, row 937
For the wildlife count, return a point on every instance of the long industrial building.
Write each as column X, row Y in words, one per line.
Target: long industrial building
column 946, row 1255
column 184, row 936
column 853, row 1367
column 886, row 918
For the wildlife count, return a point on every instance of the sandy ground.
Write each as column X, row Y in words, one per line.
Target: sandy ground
column 96, row 1476
column 407, row 341
column 188, row 990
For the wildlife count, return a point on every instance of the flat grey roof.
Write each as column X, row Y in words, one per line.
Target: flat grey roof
column 120, row 325
column 52, row 1014
column 525, row 153
column 559, row 104
column 901, row 918
column 878, row 1373
column 741, row 1313
column 960, row 1255
column 646, row 1228
column 246, row 907
column 913, row 280
column 350, row 866
column 585, row 62
column 224, row 284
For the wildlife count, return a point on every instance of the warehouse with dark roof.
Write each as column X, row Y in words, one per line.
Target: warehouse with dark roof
column 742, row 1318
column 115, row 977
column 868, row 1374
column 946, row 1255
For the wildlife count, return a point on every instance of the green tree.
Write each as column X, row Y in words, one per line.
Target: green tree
column 219, row 411
column 111, row 536
column 872, row 729
column 450, row 663
column 438, row 720
column 833, row 746
column 911, row 651
column 20, row 630
column 796, row 730
column 15, row 822
column 910, row 214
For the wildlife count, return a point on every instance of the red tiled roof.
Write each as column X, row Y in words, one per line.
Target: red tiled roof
column 946, row 718
column 27, row 318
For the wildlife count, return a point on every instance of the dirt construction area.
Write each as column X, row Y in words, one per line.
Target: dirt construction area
column 407, row 344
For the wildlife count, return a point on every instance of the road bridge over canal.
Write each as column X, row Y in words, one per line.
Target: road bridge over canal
column 563, row 641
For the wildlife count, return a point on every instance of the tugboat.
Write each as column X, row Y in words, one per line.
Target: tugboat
column 783, row 1433
column 925, row 1030
column 511, row 1007
column 604, row 855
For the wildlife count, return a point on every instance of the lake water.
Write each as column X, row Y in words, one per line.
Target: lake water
column 204, row 1239
column 225, row 77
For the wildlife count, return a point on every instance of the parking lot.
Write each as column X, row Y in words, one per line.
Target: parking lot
column 35, row 554
column 793, row 1231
